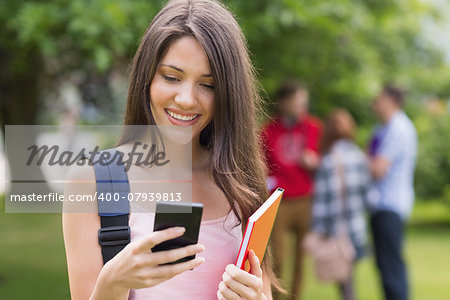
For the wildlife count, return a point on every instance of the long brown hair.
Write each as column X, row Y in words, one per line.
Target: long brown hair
column 339, row 125
column 237, row 167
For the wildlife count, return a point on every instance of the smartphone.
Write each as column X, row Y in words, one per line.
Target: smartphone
column 172, row 214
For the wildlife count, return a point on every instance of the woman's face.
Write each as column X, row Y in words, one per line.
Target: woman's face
column 182, row 90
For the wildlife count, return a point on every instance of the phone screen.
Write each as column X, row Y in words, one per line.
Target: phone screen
column 187, row 215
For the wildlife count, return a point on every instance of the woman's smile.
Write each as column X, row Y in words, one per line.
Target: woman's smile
column 177, row 117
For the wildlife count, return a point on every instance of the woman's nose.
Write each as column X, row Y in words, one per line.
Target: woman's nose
column 185, row 97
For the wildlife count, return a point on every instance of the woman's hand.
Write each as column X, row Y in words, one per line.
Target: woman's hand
column 238, row 284
column 137, row 267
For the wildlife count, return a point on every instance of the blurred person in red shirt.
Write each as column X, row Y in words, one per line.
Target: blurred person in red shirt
column 291, row 146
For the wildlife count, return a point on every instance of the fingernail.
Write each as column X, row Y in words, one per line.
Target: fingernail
column 229, row 268
column 200, row 247
column 180, row 230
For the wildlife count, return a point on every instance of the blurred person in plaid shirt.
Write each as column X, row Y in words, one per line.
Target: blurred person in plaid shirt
column 342, row 187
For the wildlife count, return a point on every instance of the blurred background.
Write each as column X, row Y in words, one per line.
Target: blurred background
column 66, row 62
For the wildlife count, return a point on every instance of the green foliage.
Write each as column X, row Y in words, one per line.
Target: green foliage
column 344, row 50
column 433, row 169
column 79, row 34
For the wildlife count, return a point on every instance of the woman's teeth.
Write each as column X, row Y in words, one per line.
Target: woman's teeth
column 180, row 117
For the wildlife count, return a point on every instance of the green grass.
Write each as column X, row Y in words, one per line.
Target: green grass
column 32, row 257
column 427, row 255
column 33, row 266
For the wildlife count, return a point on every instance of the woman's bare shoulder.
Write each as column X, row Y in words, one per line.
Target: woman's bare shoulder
column 83, row 169
column 80, row 188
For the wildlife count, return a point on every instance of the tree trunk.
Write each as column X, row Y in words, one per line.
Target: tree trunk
column 20, row 69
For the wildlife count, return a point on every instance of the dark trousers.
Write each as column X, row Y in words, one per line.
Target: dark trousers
column 387, row 231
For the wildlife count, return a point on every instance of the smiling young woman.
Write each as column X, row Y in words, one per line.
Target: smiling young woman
column 182, row 90
column 192, row 69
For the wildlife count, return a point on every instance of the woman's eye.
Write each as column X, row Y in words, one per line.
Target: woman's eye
column 208, row 86
column 170, row 78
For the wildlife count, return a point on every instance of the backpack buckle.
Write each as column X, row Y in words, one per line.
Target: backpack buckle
column 114, row 235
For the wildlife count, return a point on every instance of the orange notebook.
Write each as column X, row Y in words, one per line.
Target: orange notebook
column 259, row 228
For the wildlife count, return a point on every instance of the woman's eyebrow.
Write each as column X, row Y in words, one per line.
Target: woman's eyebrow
column 173, row 67
column 180, row 70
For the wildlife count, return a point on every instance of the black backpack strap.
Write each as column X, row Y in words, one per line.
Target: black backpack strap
column 113, row 205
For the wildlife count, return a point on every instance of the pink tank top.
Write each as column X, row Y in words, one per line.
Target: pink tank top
column 221, row 238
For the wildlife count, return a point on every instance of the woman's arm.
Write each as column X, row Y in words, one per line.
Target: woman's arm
column 133, row 268
column 84, row 259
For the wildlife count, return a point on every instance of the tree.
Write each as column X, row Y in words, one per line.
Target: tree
column 45, row 41
column 344, row 50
